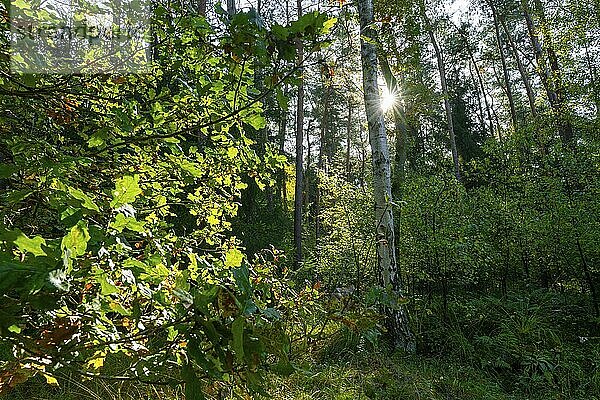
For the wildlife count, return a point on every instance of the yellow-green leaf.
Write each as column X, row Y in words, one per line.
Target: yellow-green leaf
column 27, row 245
column 126, row 190
column 76, row 240
column 86, row 200
column 233, row 258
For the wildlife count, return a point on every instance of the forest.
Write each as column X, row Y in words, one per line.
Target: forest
column 309, row 199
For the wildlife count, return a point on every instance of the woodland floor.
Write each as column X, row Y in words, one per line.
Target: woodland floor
column 362, row 376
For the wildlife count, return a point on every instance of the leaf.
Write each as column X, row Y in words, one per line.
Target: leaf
column 106, row 287
column 121, row 222
column 242, row 280
column 6, row 170
column 257, row 121
column 232, row 152
column 233, row 258
column 16, row 196
column 282, row 100
column 21, row 4
column 327, row 25
column 50, row 380
column 75, row 242
column 237, row 331
column 86, row 200
column 126, row 190
column 193, row 386
column 14, row 329
column 27, row 245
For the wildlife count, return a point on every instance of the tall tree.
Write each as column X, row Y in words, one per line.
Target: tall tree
column 549, row 70
column 396, row 319
column 505, row 74
column 299, row 152
column 521, row 67
column 442, row 71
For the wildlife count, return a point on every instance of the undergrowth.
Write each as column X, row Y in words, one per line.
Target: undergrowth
column 536, row 346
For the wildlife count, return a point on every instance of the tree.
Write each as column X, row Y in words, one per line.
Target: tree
column 396, row 318
column 299, row 151
column 447, row 106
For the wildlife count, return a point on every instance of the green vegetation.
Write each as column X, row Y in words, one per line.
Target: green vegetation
column 368, row 200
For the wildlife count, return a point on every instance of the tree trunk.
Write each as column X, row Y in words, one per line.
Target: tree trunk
column 479, row 79
column 511, row 101
column 442, row 70
column 593, row 81
column 231, row 9
column 521, row 67
column 348, row 139
column 549, row 74
column 396, row 320
column 202, row 7
column 299, row 153
column 399, row 119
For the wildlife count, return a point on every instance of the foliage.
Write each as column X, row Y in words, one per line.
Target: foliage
column 117, row 201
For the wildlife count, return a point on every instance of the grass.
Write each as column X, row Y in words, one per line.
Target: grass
column 363, row 376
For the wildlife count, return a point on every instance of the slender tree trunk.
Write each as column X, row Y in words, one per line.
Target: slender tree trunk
column 442, row 70
column 549, row 72
column 511, row 101
column 299, row 153
column 479, row 106
column 202, row 7
column 479, row 79
column 399, row 119
column 231, row 9
column 521, row 67
column 348, row 139
column 593, row 81
column 589, row 279
column 396, row 320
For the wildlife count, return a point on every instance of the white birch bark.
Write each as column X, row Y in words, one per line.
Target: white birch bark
column 396, row 319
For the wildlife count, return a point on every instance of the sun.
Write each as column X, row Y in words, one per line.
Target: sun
column 388, row 100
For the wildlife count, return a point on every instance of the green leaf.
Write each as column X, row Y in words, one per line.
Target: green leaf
column 237, row 331
column 281, row 99
column 257, row 121
column 106, row 287
column 75, row 242
column 14, row 329
column 121, row 222
column 126, row 190
column 327, row 25
column 6, row 170
column 21, row 4
column 86, row 201
column 193, row 386
column 233, row 258
column 27, row 245
column 17, row 195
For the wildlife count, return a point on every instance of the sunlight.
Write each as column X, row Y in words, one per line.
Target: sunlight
column 388, row 100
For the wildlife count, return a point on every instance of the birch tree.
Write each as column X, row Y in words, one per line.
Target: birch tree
column 396, row 318
column 299, row 153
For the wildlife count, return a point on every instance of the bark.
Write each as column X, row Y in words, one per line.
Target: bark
column 396, row 319
column 442, row 71
column 231, row 9
column 202, row 7
column 299, row 154
column 521, row 67
column 399, row 119
column 479, row 79
column 549, row 72
column 348, row 137
column 479, row 106
column 593, row 80
column 511, row 101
